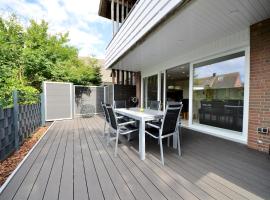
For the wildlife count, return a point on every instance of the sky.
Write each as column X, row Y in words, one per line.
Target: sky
column 225, row 67
column 87, row 31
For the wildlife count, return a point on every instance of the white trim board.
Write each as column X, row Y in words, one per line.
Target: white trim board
column 217, row 132
column 22, row 162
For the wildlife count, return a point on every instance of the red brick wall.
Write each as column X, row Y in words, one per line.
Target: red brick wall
column 259, row 101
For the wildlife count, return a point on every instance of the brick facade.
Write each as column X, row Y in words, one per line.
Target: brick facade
column 259, row 101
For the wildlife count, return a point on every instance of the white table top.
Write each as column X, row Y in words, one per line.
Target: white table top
column 135, row 113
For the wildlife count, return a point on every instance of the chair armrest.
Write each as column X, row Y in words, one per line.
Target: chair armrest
column 119, row 117
column 126, row 123
column 153, row 125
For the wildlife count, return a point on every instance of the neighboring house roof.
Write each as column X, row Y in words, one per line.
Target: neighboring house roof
column 230, row 80
column 106, row 73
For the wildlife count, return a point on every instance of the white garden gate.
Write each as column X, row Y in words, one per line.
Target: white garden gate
column 58, row 100
column 65, row 100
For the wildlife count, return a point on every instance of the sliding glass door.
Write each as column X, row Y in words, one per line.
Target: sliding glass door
column 218, row 92
column 150, row 87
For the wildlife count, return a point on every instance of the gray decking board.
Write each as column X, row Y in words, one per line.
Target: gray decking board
column 72, row 161
column 144, row 189
column 137, row 190
column 27, row 184
column 39, row 186
column 52, row 187
column 239, row 176
column 204, row 169
column 236, row 164
column 66, row 184
column 107, row 186
column 119, row 184
column 221, row 191
column 238, row 152
column 16, row 181
column 210, row 189
column 80, row 186
column 92, row 180
column 151, row 189
column 197, row 191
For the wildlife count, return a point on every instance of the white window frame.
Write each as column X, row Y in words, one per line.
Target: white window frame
column 142, row 88
column 240, row 137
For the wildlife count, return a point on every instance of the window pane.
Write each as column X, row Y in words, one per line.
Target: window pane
column 150, row 89
column 144, row 91
column 218, row 92
column 161, row 90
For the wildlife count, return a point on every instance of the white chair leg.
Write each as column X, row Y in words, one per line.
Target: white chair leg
column 178, row 141
column 116, row 143
column 161, row 150
column 128, row 137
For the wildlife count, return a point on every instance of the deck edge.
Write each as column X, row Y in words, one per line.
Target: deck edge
column 23, row 160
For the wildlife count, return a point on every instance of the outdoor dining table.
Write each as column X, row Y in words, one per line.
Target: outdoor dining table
column 142, row 116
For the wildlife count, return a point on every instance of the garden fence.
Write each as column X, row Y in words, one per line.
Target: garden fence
column 18, row 123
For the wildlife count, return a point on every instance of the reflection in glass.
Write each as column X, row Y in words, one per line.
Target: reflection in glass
column 161, row 90
column 218, row 92
column 177, row 87
column 150, row 89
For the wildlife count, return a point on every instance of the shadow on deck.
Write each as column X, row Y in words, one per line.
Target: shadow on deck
column 72, row 161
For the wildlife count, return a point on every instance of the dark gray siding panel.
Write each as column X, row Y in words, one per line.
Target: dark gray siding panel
column 124, row 92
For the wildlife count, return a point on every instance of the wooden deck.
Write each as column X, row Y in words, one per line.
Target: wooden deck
column 72, row 161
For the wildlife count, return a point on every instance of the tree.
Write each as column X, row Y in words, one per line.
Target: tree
column 49, row 57
column 31, row 55
column 11, row 60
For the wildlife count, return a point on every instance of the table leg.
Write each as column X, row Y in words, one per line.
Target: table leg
column 142, row 140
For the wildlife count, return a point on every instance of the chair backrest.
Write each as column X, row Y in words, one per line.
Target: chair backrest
column 112, row 116
column 154, row 105
column 171, row 118
column 119, row 104
column 107, row 117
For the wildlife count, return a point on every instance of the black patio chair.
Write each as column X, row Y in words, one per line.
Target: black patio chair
column 106, row 115
column 124, row 128
column 122, row 119
column 173, row 104
column 167, row 128
column 120, row 104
